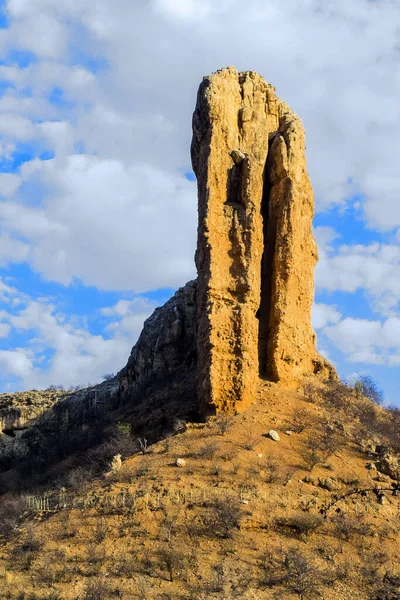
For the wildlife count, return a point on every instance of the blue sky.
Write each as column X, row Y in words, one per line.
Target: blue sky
column 98, row 200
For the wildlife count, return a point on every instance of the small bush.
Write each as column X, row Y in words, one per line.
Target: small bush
column 79, row 478
column 368, row 387
column 272, row 470
column 250, row 441
column 11, row 510
column 302, row 525
column 208, row 450
column 301, row 420
column 223, row 423
column 338, row 396
column 96, row 590
column 312, row 453
column 292, row 569
column 345, row 527
column 225, row 517
column 309, row 392
column 171, row 560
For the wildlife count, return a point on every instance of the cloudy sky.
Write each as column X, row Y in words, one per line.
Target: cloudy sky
column 98, row 202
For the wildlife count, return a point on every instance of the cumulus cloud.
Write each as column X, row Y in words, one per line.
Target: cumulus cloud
column 105, row 223
column 324, row 314
column 336, row 65
column 113, row 208
column 374, row 268
column 59, row 348
column 364, row 341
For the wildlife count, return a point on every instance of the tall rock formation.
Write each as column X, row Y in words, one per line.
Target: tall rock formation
column 247, row 316
column 256, row 253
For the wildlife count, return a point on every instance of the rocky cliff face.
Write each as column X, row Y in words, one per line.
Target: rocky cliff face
column 256, row 253
column 161, row 370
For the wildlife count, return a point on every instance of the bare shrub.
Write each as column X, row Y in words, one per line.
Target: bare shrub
column 309, row 392
column 250, row 440
column 97, row 589
column 301, row 525
column 338, row 395
column 387, row 587
column 169, row 525
column 100, row 532
column 217, row 584
column 108, row 376
column 225, row 517
column 366, row 412
column 11, row 510
column 271, row 470
column 301, row 420
column 368, row 387
column 208, row 450
column 79, row 478
column 171, row 560
column 223, row 423
column 390, row 428
column 292, row 569
column 49, row 567
column 167, row 442
column 346, row 526
column 328, row 442
column 312, row 454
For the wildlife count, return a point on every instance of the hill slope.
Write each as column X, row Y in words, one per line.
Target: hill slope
column 243, row 517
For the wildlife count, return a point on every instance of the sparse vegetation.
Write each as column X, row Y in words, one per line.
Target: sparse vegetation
column 225, row 516
column 301, row 420
column 148, row 529
column 302, row 525
column 368, row 387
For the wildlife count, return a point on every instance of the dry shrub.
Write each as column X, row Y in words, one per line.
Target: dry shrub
column 293, row 570
column 225, row 516
column 321, row 446
column 272, row 470
column 338, row 396
column 311, row 454
column 301, row 420
column 79, row 478
column 309, row 392
column 223, row 423
column 368, row 387
column 250, row 440
column 345, row 527
column 172, row 561
column 98, row 589
column 208, row 450
column 11, row 510
column 301, row 525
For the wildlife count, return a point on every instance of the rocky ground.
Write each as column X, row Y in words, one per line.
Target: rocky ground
column 223, row 509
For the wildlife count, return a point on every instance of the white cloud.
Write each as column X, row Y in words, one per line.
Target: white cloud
column 4, row 329
column 374, row 268
column 17, row 363
column 323, row 314
column 9, row 183
column 77, row 356
column 365, row 341
column 12, row 250
column 114, row 226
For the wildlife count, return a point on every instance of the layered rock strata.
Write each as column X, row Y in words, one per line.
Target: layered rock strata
column 256, row 253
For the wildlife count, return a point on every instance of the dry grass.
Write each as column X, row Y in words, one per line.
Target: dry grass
column 158, row 531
